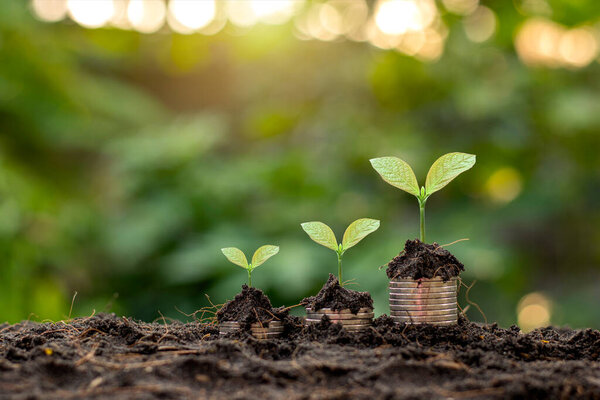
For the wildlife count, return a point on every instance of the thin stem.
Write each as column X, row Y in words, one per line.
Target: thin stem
column 422, row 213
column 249, row 277
column 340, row 269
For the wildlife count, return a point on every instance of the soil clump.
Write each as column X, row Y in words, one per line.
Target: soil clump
column 422, row 260
column 333, row 295
column 249, row 306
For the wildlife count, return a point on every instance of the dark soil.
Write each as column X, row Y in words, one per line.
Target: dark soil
column 336, row 297
column 249, row 306
column 106, row 356
column 422, row 260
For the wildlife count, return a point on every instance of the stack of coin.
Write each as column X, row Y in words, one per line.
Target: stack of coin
column 423, row 301
column 271, row 330
column 352, row 322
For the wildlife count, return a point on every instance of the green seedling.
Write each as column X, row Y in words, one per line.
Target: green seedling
column 356, row 231
column 398, row 173
column 261, row 255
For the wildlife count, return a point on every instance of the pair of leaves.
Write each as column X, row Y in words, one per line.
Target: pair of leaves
column 398, row 173
column 356, row 231
column 261, row 255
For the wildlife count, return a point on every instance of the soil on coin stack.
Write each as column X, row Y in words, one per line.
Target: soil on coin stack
column 249, row 306
column 422, row 260
column 110, row 357
column 336, row 297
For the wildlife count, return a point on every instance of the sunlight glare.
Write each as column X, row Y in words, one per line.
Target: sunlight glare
column 91, row 13
column 480, row 25
column 146, row 16
column 49, row 10
column 395, row 17
column 191, row 15
column 534, row 311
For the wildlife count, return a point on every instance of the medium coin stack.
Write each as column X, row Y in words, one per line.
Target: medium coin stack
column 271, row 330
column 352, row 322
column 423, row 301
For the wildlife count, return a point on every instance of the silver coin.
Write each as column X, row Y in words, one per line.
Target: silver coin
column 344, row 311
column 424, row 319
column 340, row 316
column 422, row 285
column 425, row 313
column 424, row 301
column 422, row 280
column 440, row 289
column 344, row 322
column 443, row 306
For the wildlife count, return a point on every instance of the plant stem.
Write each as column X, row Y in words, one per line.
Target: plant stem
column 249, row 278
column 422, row 213
column 340, row 269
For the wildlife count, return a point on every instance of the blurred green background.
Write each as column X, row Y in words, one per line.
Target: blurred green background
column 127, row 160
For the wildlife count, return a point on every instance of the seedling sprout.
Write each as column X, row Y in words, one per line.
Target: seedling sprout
column 356, row 231
column 398, row 173
column 261, row 255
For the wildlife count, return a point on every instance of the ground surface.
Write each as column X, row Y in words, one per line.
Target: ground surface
column 106, row 356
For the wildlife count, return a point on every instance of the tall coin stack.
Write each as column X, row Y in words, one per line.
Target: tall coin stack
column 424, row 301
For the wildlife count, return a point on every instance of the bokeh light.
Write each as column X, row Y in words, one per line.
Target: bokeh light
column 395, row 17
column 541, row 42
column 504, row 185
column 534, row 310
column 461, row 7
column 480, row 25
column 146, row 16
column 49, row 10
column 186, row 16
column 91, row 13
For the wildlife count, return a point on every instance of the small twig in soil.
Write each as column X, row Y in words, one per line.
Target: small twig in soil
column 472, row 302
column 294, row 306
column 88, row 356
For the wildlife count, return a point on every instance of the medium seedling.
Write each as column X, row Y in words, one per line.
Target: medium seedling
column 261, row 255
column 356, row 231
column 398, row 173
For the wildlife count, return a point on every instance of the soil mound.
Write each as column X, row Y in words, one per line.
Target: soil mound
column 249, row 306
column 336, row 297
column 422, row 260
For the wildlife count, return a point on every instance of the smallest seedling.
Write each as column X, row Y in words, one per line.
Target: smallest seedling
column 261, row 255
column 356, row 231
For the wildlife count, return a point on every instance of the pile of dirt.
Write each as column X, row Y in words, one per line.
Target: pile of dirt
column 333, row 295
column 106, row 356
column 422, row 260
column 249, row 306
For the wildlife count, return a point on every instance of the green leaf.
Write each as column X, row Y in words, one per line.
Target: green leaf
column 357, row 231
column 446, row 168
column 321, row 233
column 397, row 173
column 263, row 254
column 236, row 256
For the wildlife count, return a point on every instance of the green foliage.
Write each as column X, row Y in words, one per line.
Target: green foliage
column 398, row 173
column 356, row 231
column 261, row 255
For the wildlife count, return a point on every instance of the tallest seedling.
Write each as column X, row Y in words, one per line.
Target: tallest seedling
column 398, row 173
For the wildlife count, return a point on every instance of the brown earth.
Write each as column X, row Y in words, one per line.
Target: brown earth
column 333, row 295
column 106, row 356
column 423, row 260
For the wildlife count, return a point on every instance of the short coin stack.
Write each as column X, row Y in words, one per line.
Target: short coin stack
column 423, row 301
column 271, row 330
column 352, row 322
